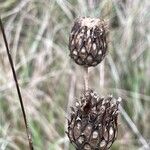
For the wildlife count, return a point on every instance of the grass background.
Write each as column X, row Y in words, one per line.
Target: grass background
column 37, row 33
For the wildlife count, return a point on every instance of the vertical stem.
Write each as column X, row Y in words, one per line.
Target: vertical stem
column 101, row 74
column 17, row 87
column 91, row 4
column 86, row 80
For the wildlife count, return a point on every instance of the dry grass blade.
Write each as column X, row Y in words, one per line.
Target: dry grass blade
column 17, row 86
column 134, row 129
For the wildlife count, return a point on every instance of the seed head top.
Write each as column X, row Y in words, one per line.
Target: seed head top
column 88, row 41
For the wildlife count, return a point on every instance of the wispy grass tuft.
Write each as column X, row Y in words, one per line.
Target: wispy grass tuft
column 37, row 34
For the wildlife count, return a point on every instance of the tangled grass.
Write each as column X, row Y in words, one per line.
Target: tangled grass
column 37, row 32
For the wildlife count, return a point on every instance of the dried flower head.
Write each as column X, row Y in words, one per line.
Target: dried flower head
column 88, row 41
column 93, row 122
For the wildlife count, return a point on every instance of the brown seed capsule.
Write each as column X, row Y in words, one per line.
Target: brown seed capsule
column 93, row 123
column 88, row 41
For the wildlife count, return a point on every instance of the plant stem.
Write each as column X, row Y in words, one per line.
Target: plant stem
column 86, row 80
column 17, row 87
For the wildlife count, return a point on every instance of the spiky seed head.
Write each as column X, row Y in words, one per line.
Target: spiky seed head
column 93, row 122
column 88, row 41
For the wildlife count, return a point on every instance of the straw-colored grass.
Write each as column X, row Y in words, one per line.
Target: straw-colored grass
column 37, row 32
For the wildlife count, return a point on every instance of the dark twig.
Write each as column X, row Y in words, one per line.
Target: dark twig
column 17, row 86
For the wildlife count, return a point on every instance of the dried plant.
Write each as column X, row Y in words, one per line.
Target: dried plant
column 93, row 121
column 88, row 42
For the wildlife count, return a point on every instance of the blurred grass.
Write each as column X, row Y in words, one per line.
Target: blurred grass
column 37, row 33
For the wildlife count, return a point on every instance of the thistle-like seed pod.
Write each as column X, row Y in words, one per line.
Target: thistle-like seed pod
column 88, row 41
column 93, row 122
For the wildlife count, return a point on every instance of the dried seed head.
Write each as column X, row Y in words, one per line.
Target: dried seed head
column 93, row 123
column 88, row 41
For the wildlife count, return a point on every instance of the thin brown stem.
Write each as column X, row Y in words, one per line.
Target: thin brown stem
column 17, row 87
column 86, row 80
